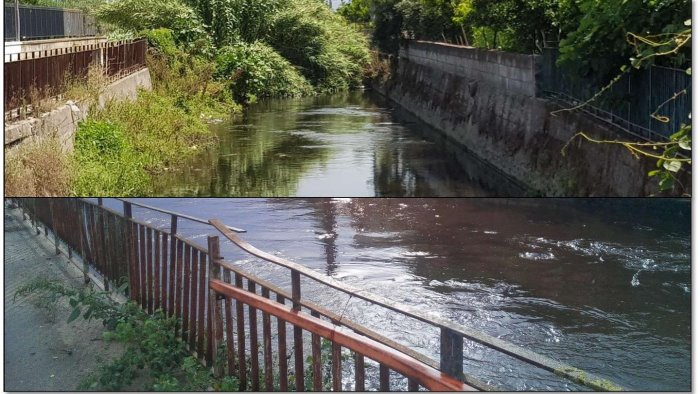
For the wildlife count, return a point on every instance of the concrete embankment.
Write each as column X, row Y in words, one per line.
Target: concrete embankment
column 62, row 122
column 487, row 102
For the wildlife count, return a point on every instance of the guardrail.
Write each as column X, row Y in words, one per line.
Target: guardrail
column 166, row 271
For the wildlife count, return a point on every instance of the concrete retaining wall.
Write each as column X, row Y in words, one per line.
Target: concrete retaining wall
column 485, row 101
column 62, row 122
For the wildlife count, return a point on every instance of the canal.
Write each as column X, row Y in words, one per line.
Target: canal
column 601, row 284
column 347, row 144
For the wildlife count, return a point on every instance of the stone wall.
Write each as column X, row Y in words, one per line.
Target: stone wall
column 62, row 122
column 486, row 102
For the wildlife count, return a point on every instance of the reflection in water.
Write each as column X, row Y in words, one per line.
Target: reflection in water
column 554, row 276
column 333, row 145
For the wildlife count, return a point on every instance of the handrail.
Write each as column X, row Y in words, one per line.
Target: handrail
column 340, row 320
column 181, row 215
column 429, row 377
column 528, row 356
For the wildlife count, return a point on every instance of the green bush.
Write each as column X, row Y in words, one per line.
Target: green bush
column 257, row 70
column 139, row 15
column 163, row 40
column 332, row 54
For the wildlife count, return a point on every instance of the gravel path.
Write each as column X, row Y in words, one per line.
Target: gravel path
column 43, row 352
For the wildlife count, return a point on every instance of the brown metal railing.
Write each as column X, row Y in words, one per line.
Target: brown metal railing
column 44, row 77
column 165, row 271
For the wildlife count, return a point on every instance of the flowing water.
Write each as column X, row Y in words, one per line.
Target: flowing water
column 351, row 144
column 603, row 285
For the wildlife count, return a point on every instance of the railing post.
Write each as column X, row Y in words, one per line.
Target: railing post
column 130, row 245
column 298, row 338
column 99, row 201
column 215, row 310
column 451, row 353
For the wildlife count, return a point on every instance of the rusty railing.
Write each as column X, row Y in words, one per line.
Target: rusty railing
column 166, row 271
column 42, row 77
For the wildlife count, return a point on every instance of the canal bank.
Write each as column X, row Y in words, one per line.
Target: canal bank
column 486, row 101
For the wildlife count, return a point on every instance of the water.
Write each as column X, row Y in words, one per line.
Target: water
column 351, row 144
column 601, row 284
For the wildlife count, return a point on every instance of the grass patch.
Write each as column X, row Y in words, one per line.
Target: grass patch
column 37, row 168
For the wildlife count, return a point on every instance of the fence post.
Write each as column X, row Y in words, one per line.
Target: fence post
column 451, row 353
column 53, row 223
column 215, row 319
column 173, row 235
column 298, row 339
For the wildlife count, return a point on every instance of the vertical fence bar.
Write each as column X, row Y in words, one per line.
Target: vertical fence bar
column 298, row 338
column 336, row 367
column 253, row 327
column 81, row 234
column 142, row 266
column 134, row 290
column 412, row 385
column 164, row 275
column 102, row 247
column 267, row 344
column 282, row 349
column 383, row 378
column 156, row 270
column 171, row 268
column 316, row 358
column 202, row 299
column 189, row 299
column 216, row 322
column 230, row 348
column 178, row 283
column 53, row 223
column 359, row 372
column 240, row 331
column 149, row 268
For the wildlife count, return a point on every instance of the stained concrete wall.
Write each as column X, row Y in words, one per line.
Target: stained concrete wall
column 62, row 122
column 485, row 101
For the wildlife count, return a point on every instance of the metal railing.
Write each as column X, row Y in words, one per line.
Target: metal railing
column 636, row 103
column 37, row 22
column 31, row 80
column 166, row 271
column 451, row 335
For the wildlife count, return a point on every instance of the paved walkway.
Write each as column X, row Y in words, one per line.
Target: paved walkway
column 43, row 352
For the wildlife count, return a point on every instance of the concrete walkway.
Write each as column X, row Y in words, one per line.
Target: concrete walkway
column 42, row 351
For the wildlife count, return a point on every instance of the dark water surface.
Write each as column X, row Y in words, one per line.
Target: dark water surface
column 350, row 144
column 592, row 283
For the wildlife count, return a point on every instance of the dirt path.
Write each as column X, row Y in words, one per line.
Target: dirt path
column 43, row 352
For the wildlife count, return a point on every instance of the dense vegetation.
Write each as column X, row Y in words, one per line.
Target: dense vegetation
column 591, row 34
column 260, row 48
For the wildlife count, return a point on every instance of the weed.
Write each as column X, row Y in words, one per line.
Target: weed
column 37, row 168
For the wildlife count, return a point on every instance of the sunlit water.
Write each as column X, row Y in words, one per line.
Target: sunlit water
column 349, row 144
column 603, row 285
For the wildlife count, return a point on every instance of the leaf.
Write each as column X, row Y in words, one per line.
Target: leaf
column 88, row 313
column 672, row 165
column 653, row 173
column 689, row 71
column 73, row 302
column 74, row 315
column 685, row 143
column 666, row 183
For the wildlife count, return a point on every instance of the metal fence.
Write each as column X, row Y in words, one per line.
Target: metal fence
column 37, row 23
column 641, row 102
column 34, row 79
